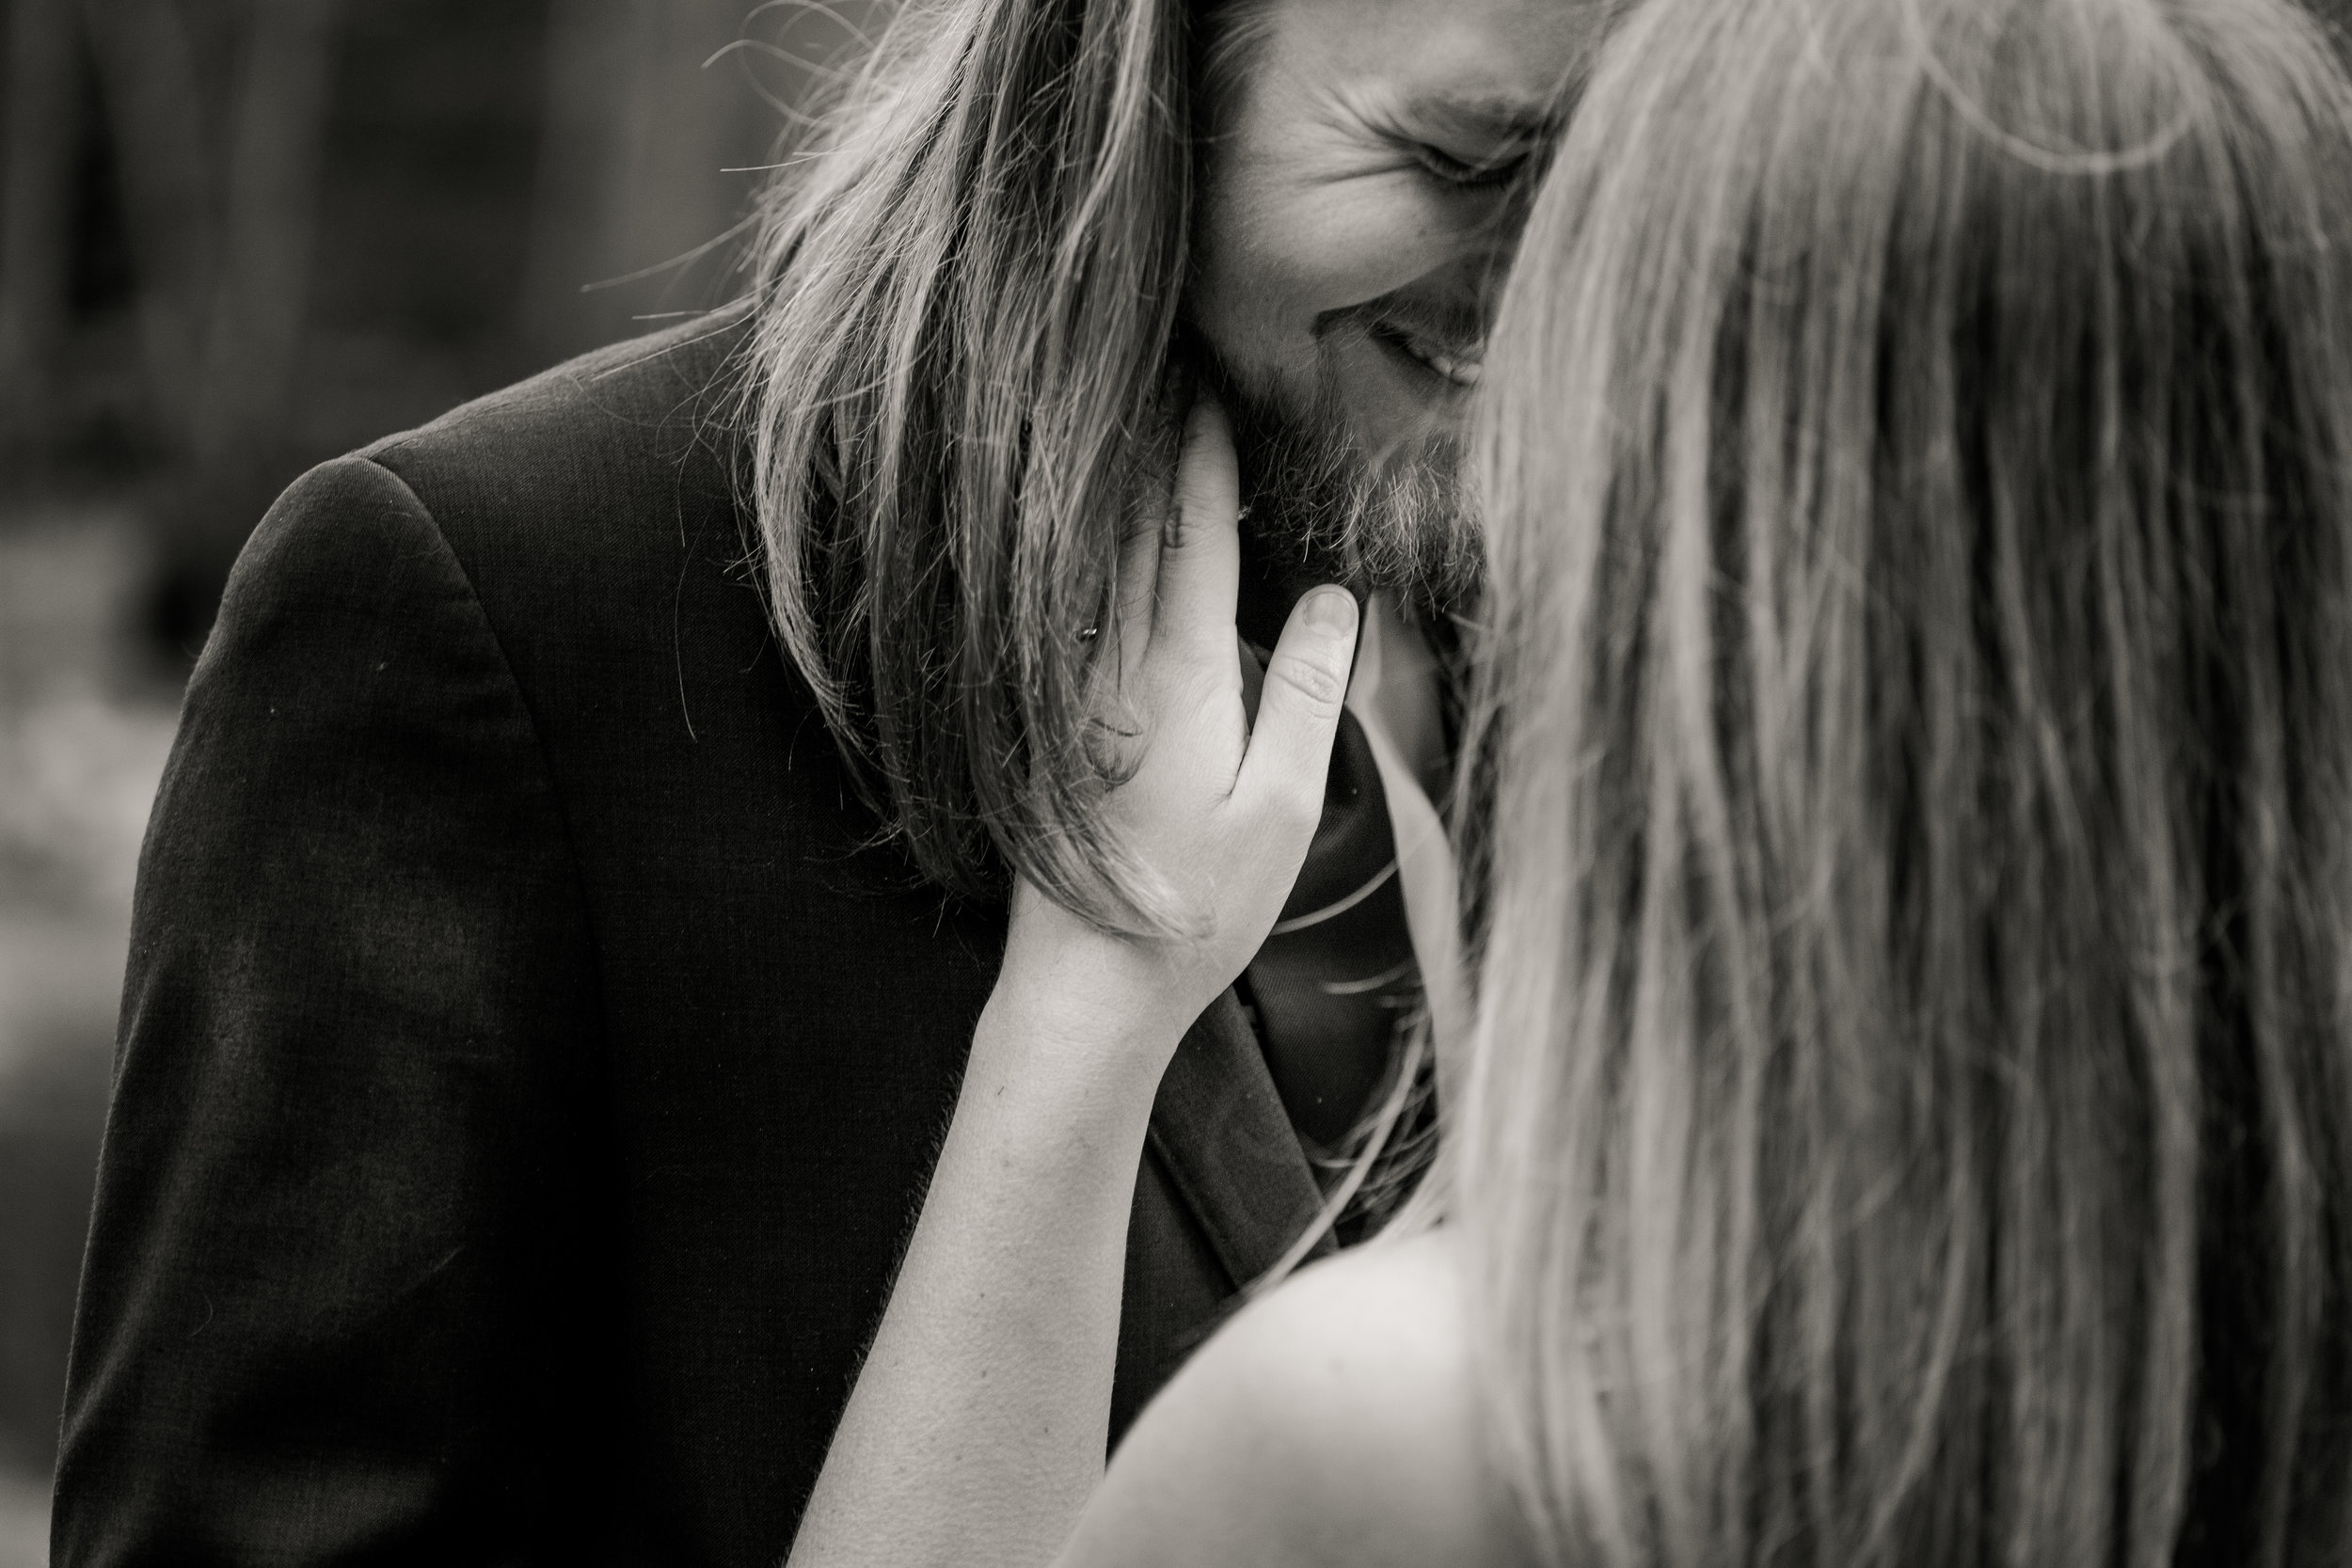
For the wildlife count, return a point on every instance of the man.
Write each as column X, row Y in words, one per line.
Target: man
column 556, row 954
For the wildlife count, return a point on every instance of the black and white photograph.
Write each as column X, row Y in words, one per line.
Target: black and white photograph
column 1176, row 784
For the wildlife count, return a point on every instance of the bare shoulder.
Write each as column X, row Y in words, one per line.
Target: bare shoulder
column 1332, row 1422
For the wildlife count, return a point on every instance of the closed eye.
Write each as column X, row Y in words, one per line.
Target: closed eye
column 1484, row 174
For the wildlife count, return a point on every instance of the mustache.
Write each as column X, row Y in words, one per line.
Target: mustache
column 1454, row 325
column 1322, row 510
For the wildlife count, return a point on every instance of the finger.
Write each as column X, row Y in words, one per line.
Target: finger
column 1199, row 568
column 1298, row 712
column 1138, row 576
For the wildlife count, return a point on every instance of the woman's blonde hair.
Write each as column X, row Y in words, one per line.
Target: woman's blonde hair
column 1909, row 1120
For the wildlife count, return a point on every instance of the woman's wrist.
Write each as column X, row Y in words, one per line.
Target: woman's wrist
column 1086, row 987
column 1076, row 1025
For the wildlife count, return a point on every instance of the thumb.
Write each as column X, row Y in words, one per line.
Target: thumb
column 1306, row 682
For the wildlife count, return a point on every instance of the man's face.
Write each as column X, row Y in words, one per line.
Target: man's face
column 1360, row 197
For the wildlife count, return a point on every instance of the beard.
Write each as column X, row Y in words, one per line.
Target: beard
column 1320, row 508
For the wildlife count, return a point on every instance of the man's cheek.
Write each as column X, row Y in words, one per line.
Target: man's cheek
column 1330, row 245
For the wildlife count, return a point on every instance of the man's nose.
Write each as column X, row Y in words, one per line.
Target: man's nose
column 1497, row 242
column 1471, row 282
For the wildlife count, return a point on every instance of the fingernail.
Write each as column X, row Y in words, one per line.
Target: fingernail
column 1331, row 609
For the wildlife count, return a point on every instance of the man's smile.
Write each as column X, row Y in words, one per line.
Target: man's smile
column 1456, row 360
column 1442, row 350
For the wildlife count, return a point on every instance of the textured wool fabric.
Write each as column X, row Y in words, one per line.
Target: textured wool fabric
column 529, row 1067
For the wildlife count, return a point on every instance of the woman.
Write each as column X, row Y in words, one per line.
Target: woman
column 1909, row 1117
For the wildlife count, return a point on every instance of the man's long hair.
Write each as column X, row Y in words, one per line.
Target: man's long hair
column 967, row 288
column 1909, row 1120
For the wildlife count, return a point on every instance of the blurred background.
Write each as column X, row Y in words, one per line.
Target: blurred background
column 238, row 237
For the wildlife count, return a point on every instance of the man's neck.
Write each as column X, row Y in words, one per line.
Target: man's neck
column 1269, row 587
column 1397, row 686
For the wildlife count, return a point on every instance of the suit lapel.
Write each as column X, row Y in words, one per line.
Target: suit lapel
column 1220, row 1132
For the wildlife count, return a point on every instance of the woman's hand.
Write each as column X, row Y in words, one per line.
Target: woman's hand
column 981, row 1417
column 1221, row 809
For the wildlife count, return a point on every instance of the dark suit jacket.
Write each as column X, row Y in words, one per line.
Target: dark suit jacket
column 528, row 1071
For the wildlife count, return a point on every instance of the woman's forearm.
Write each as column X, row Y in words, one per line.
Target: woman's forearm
column 979, row 1420
column 978, row 1427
